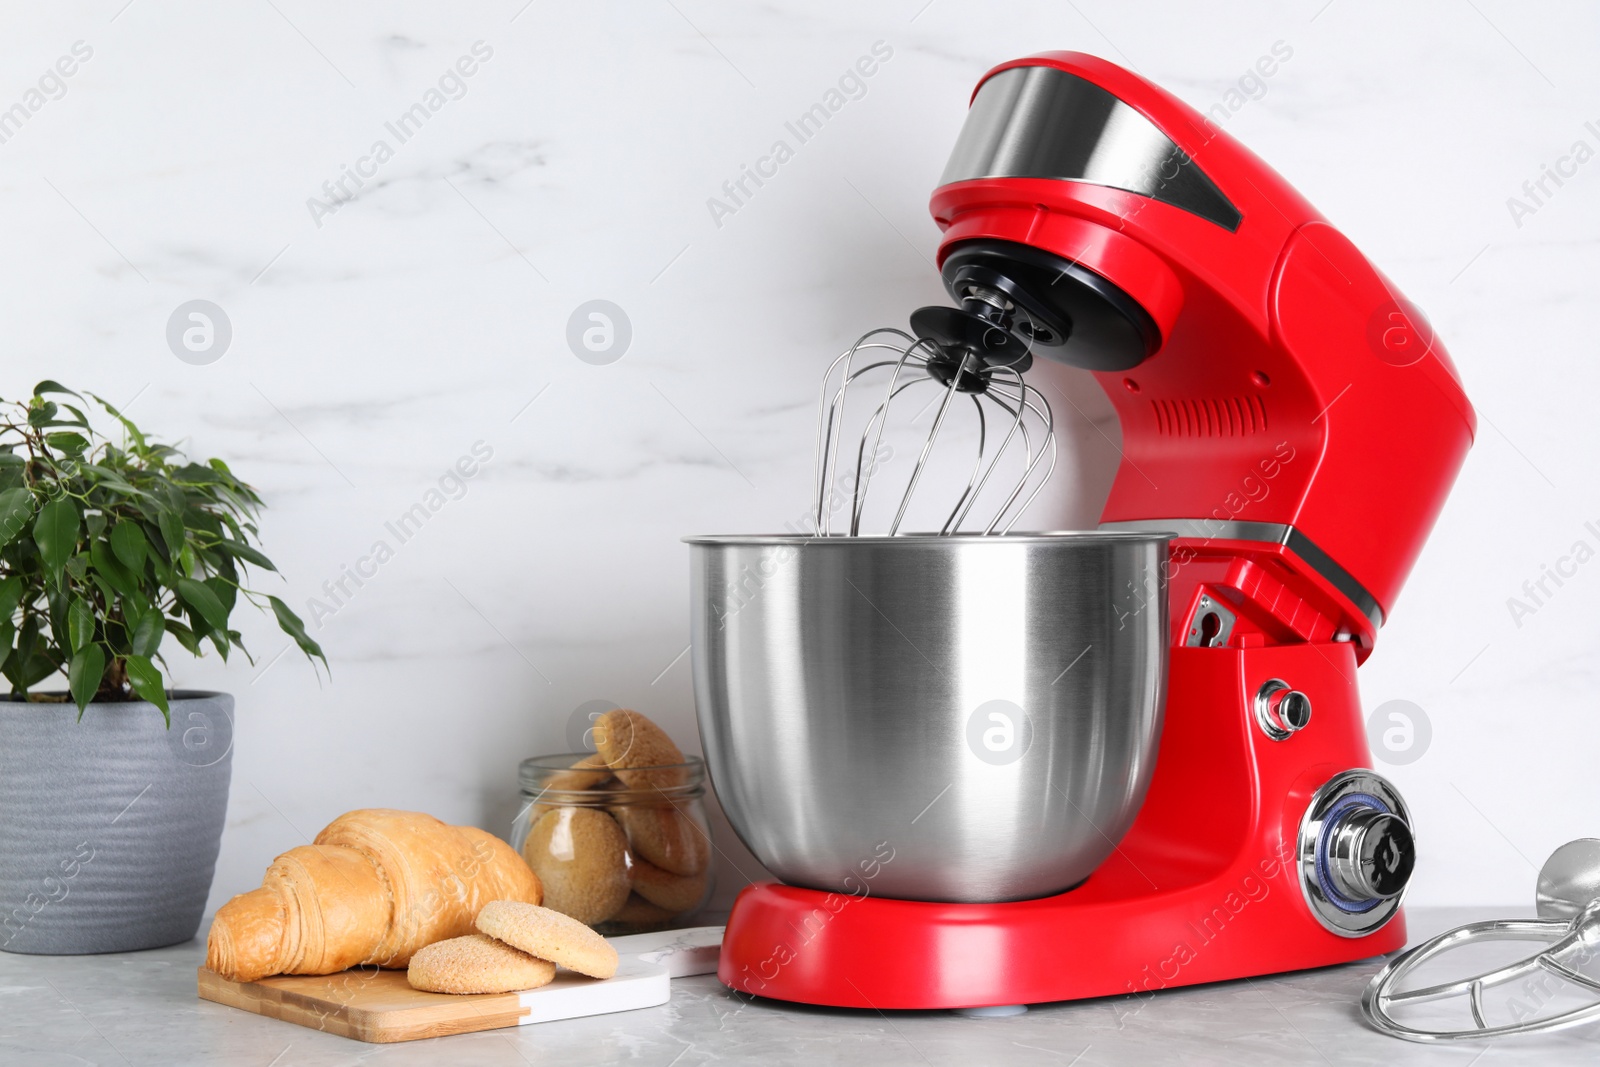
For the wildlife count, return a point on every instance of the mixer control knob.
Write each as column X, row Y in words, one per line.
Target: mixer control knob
column 1356, row 852
column 1370, row 855
column 1281, row 711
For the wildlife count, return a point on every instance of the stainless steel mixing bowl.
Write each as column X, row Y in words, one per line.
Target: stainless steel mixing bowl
column 931, row 718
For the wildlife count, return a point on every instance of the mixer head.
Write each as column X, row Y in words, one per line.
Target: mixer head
column 1278, row 398
column 1092, row 219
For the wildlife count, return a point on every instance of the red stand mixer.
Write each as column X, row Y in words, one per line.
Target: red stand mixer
column 1288, row 416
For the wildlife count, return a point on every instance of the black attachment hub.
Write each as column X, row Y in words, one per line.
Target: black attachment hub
column 975, row 377
column 973, row 340
column 1057, row 307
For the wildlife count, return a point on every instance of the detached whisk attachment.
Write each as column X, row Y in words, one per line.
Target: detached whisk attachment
column 1553, row 989
column 969, row 352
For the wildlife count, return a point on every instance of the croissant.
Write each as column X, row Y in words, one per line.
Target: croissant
column 375, row 887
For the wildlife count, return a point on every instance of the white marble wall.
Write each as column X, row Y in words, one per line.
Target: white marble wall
column 374, row 345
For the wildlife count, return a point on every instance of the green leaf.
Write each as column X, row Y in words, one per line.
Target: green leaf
column 226, row 593
column 42, row 666
column 112, row 480
column 185, row 636
column 131, row 608
column 133, row 431
column 170, row 523
column 59, row 600
column 195, row 474
column 240, row 550
column 110, row 568
column 16, row 508
column 199, row 597
column 12, row 467
column 155, row 544
column 221, row 564
column 108, row 594
column 80, row 624
column 78, row 417
column 147, row 634
column 35, row 660
column 8, row 635
column 71, row 444
column 196, row 519
column 145, row 677
column 48, row 386
column 290, row 624
column 28, row 637
column 84, row 671
column 56, row 533
column 129, row 544
column 41, row 414
column 10, row 596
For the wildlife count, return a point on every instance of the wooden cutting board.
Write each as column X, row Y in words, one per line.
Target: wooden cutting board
column 381, row 1007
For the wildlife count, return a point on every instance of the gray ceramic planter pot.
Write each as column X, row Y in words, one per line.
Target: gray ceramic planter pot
column 109, row 827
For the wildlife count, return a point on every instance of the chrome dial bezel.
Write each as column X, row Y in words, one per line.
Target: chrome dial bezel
column 1354, row 788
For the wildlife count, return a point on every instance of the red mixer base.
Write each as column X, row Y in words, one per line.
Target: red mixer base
column 1205, row 887
column 789, row 944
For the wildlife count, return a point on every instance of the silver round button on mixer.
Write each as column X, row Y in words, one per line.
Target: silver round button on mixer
column 1356, row 852
column 1281, row 711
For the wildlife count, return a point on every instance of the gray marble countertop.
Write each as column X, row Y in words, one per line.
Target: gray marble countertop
column 140, row 1008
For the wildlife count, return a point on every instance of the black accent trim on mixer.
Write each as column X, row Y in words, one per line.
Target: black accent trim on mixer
column 1337, row 576
column 1276, row 533
column 1065, row 311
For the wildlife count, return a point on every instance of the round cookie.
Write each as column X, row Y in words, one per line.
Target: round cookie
column 587, row 773
column 640, row 913
column 628, row 740
column 664, row 836
column 675, row 892
column 581, row 858
column 476, row 964
column 549, row 935
column 590, row 772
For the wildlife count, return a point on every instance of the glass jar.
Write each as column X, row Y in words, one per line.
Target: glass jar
column 624, row 851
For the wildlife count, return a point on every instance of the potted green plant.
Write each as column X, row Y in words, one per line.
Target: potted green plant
column 113, row 792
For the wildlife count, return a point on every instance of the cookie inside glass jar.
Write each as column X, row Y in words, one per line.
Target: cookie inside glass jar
column 618, row 836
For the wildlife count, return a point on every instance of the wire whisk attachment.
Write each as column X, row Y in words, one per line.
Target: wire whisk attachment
column 1553, row 989
column 886, row 365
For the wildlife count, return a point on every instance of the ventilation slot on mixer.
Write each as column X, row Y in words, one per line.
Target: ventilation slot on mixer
column 1232, row 416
